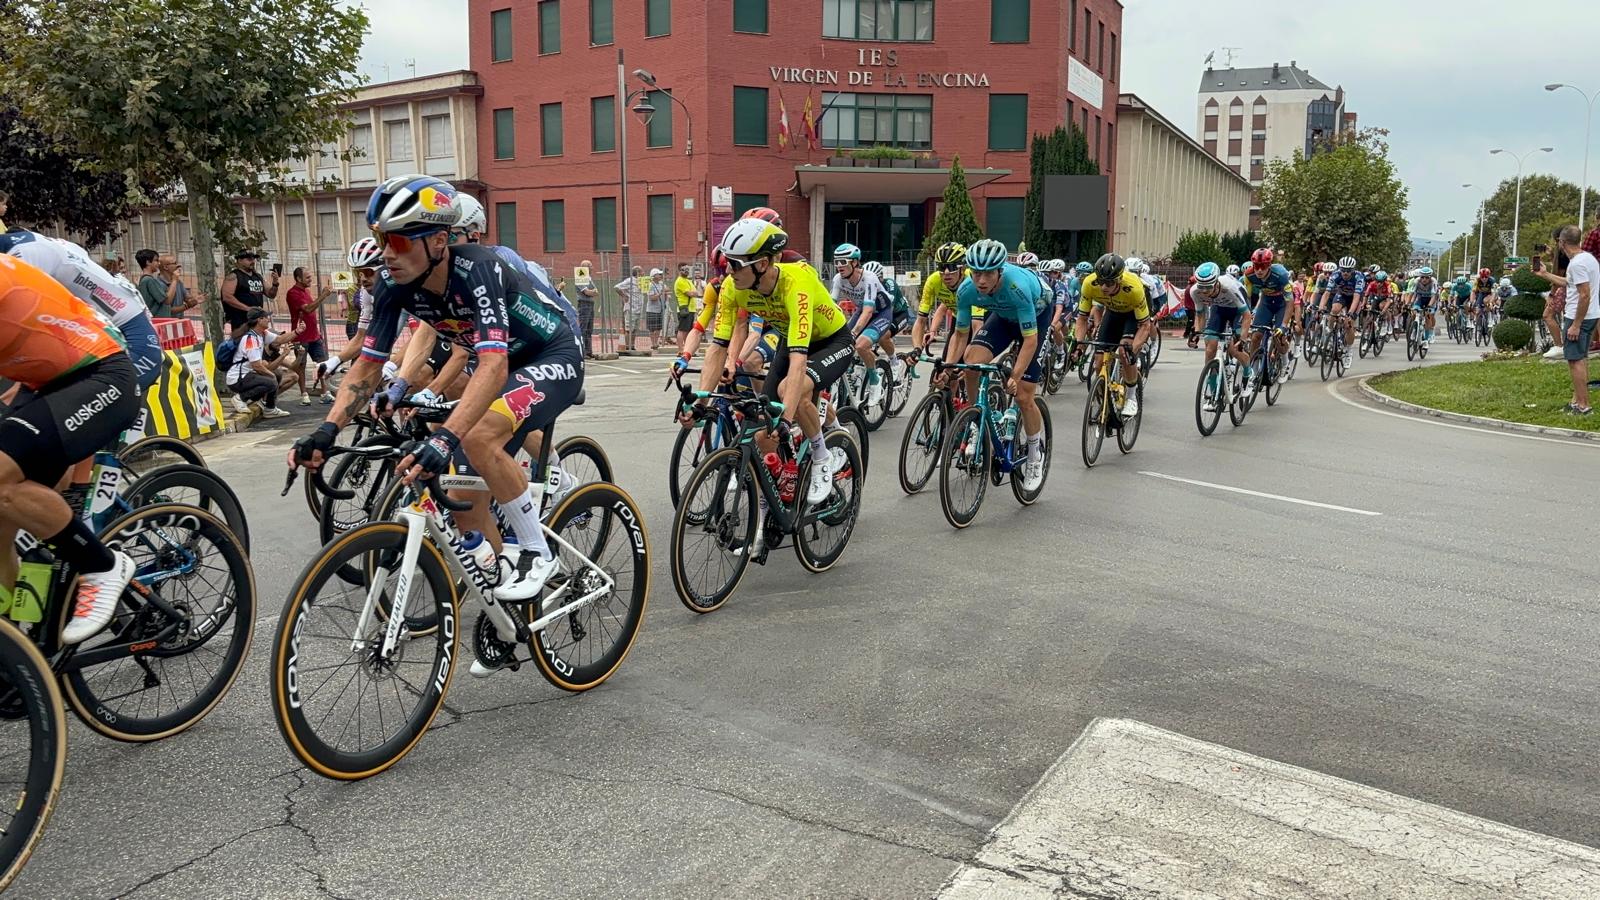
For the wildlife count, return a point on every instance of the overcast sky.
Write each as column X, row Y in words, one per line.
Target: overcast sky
column 1475, row 81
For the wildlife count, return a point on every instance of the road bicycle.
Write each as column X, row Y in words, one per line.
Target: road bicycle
column 985, row 443
column 1270, row 374
column 391, row 635
column 1102, row 412
column 1220, row 387
column 1057, row 358
column 38, row 755
column 1374, row 334
column 1332, row 349
column 1311, row 334
column 855, row 386
column 741, row 504
column 1480, row 327
column 1416, row 335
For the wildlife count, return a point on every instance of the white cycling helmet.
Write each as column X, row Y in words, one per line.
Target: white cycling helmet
column 1233, row 270
column 1505, row 282
column 473, row 220
column 1052, row 266
column 1134, row 264
column 1330, row 268
column 1028, row 259
column 365, row 254
column 1347, row 262
column 873, row 268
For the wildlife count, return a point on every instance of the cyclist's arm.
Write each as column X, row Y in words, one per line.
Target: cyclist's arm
column 961, row 333
column 451, row 370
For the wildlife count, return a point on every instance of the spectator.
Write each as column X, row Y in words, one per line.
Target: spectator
column 303, row 325
column 1554, row 302
column 5, row 202
column 655, row 301
column 586, row 298
column 685, row 291
column 243, row 289
column 252, row 377
column 632, row 291
column 1581, row 314
column 157, row 294
column 115, row 266
column 170, row 271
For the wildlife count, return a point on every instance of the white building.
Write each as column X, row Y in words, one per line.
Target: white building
column 1249, row 117
column 1168, row 184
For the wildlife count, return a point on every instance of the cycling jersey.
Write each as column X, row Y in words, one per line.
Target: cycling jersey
column 1378, row 289
column 1505, row 292
column 1345, row 286
column 1272, row 284
column 1130, row 299
column 1060, row 293
column 1462, row 290
column 1230, row 295
column 1484, row 286
column 897, row 298
column 45, row 331
column 1019, row 298
column 935, row 291
column 867, row 289
column 1074, row 291
column 541, row 283
column 799, row 306
column 1424, row 288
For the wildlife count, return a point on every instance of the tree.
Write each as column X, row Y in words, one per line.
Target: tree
column 209, row 112
column 51, row 184
column 957, row 221
column 1548, row 203
column 1196, row 247
column 1064, row 151
column 1237, row 246
column 1345, row 200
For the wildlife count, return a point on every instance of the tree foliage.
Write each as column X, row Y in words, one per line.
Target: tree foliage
column 1237, row 247
column 1548, row 203
column 1512, row 334
column 957, row 220
column 1196, row 247
column 233, row 88
column 1064, row 151
column 1345, row 200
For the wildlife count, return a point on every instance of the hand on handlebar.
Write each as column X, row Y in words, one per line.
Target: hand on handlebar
column 311, row 450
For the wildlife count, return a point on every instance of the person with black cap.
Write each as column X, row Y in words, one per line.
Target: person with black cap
column 244, row 289
column 252, row 377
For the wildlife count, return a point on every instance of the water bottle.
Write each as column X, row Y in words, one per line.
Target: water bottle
column 1008, row 424
column 481, row 552
column 788, row 481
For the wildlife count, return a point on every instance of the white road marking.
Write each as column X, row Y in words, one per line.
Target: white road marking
column 1425, row 420
column 1239, row 490
column 588, row 377
column 1131, row 810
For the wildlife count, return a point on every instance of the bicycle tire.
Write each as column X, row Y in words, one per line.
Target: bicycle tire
column 1094, row 421
column 966, row 430
column 572, row 519
column 876, row 413
column 726, row 463
column 291, row 679
column 1240, row 402
column 705, row 437
column 1211, row 370
column 142, row 455
column 1273, row 386
column 899, row 393
column 1024, row 496
column 924, row 435
column 31, row 686
column 841, row 510
column 80, row 686
column 1129, row 432
column 853, row 422
column 215, row 496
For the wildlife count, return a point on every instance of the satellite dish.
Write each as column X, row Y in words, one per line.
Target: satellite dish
column 1209, row 57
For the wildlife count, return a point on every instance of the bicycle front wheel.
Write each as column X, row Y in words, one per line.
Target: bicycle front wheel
column 1129, row 432
column 1023, row 495
column 900, row 393
column 919, row 446
column 822, row 531
column 368, row 477
column 155, row 451
column 346, row 709
column 1208, row 392
column 711, row 548
column 29, row 695
column 689, row 450
column 855, row 424
column 1094, row 421
column 964, row 468
column 876, row 412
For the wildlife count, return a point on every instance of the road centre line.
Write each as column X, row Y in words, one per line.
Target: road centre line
column 1248, row 492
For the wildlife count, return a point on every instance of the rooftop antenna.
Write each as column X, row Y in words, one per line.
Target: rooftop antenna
column 412, row 65
column 1209, row 57
column 385, row 71
column 1230, row 51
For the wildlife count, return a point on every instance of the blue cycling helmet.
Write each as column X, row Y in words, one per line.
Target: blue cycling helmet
column 413, row 205
column 1207, row 274
column 1425, row 271
column 1083, row 268
column 847, row 251
column 986, row 255
column 1382, row 275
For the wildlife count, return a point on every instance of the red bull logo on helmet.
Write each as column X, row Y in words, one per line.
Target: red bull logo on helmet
column 437, row 205
column 522, row 399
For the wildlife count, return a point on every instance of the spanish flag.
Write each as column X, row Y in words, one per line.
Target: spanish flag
column 783, row 124
column 810, row 121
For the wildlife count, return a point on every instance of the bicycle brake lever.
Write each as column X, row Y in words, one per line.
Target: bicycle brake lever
column 289, row 482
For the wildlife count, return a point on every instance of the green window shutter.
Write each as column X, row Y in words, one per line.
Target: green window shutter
column 550, row 129
column 750, row 116
column 1008, row 121
column 500, row 35
column 555, row 226
column 743, row 203
column 603, row 124
column 600, row 30
column 505, row 224
column 1008, row 21
column 750, row 16
column 1004, row 221
column 660, row 237
column 505, row 134
column 605, row 223
column 549, row 26
column 659, row 133
column 657, row 18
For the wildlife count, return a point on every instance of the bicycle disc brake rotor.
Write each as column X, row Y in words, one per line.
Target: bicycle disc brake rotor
column 486, row 643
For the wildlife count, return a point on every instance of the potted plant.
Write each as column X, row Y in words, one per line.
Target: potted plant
column 840, row 160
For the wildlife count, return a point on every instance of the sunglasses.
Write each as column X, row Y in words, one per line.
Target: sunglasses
column 844, row 261
column 736, row 265
column 400, row 243
column 950, row 267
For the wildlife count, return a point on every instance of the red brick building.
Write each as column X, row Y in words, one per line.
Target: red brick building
column 939, row 78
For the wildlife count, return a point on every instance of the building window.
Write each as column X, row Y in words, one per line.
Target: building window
column 1004, row 222
column 1099, row 157
column 555, row 226
column 361, row 140
column 1088, row 26
column 1101, row 53
column 1259, row 107
column 750, row 116
column 1072, row 27
column 1113, row 69
column 750, row 16
column 505, row 134
column 505, row 224
column 743, row 203
column 397, row 135
column 549, row 26
column 500, row 35
column 438, row 143
column 600, row 31
column 660, row 214
column 659, row 132
column 549, row 129
column 1008, row 21
column 603, row 124
column 605, row 223
column 1258, row 135
column 657, row 18
column 1008, row 121
column 863, row 120
column 878, row 20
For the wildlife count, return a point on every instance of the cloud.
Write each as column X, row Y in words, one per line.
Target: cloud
column 431, row 33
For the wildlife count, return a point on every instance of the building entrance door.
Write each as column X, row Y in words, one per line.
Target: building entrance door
column 887, row 232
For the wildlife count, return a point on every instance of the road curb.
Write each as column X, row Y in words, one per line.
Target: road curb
column 1377, row 396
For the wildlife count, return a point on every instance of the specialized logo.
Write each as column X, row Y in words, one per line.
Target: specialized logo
column 437, row 206
column 96, row 405
column 521, row 400
column 76, row 328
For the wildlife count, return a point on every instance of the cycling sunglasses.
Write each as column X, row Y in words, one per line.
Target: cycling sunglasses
column 845, row 261
column 950, row 267
column 736, row 264
column 400, row 243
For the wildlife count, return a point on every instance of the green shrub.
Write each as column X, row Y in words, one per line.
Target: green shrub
column 1513, row 334
column 1526, row 282
column 881, row 152
column 1527, row 307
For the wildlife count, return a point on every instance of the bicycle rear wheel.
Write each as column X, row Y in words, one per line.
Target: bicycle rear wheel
column 823, row 529
column 855, row 424
column 193, row 486
column 710, row 555
column 919, row 446
column 1208, row 389
column 585, row 460
column 964, row 463
column 157, row 450
column 1094, row 421
column 1273, row 385
column 1024, row 496
column 369, row 478
column 900, row 394
column 37, row 749
column 1239, row 401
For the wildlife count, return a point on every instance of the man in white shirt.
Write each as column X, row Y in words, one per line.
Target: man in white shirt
column 251, row 377
column 632, row 290
column 1581, row 315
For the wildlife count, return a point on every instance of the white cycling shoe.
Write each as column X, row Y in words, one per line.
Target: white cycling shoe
column 98, row 593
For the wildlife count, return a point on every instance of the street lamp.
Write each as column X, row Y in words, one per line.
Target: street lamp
column 1483, row 200
column 1450, row 251
column 1588, row 120
column 1516, row 217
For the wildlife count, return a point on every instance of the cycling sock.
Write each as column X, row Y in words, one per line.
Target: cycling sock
column 1035, row 447
column 522, row 514
column 77, row 545
column 872, row 375
column 819, row 446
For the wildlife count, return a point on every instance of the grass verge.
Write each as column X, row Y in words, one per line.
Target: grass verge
column 1517, row 390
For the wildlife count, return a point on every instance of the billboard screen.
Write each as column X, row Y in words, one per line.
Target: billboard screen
column 1076, row 202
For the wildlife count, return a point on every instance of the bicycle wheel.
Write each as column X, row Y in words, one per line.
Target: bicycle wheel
column 964, row 462
column 369, row 478
column 919, row 446
column 1239, row 401
column 1129, row 432
column 824, row 529
column 193, row 486
column 1027, row 497
column 900, row 392
column 1246, row 400
column 604, row 555
column 194, row 562
column 1364, row 343
column 584, row 459
column 853, row 422
column 1055, row 366
column 689, row 449
column 1413, row 338
column 1274, row 385
column 876, row 412
column 709, row 557
column 351, row 713
column 1094, row 421
column 1339, row 363
column 29, row 694
column 1208, row 390
column 1155, row 352
column 157, row 450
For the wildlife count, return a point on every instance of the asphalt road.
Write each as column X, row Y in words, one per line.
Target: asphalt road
column 857, row 733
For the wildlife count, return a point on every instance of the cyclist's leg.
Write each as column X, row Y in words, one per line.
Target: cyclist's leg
column 826, row 363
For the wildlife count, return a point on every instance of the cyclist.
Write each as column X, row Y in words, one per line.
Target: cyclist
column 900, row 319
column 1342, row 292
column 530, row 366
column 1016, row 299
column 365, row 257
column 1057, row 282
column 1482, row 288
column 814, row 350
column 939, row 294
column 1234, row 271
column 1230, row 311
column 1125, row 319
column 1266, row 285
column 1501, row 294
column 1376, row 297
column 76, row 391
column 87, row 280
column 1460, row 294
column 862, row 295
column 1423, row 290
column 768, row 214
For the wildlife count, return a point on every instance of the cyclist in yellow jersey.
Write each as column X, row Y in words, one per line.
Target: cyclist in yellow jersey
column 815, row 348
column 1126, row 319
column 939, row 294
column 754, row 357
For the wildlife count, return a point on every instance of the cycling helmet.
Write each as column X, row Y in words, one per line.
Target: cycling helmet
column 1505, row 282
column 1207, row 274
column 1053, row 266
column 874, row 268
column 1330, row 268
column 950, row 254
column 1133, row 264
column 1083, row 268
column 1109, row 267
column 1382, row 275
column 986, row 255
column 472, row 219
column 765, row 214
column 1248, row 268
column 749, row 239
column 1347, row 263
column 1262, row 258
column 1461, row 279
column 413, row 205
column 365, row 254
column 718, row 261
column 1233, row 270
column 1483, row 273
column 1425, row 271
column 847, row 251
column 1028, row 259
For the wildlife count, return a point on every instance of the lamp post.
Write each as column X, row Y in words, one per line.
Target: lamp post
column 1450, row 251
column 1516, row 217
column 1588, row 121
column 1483, row 199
